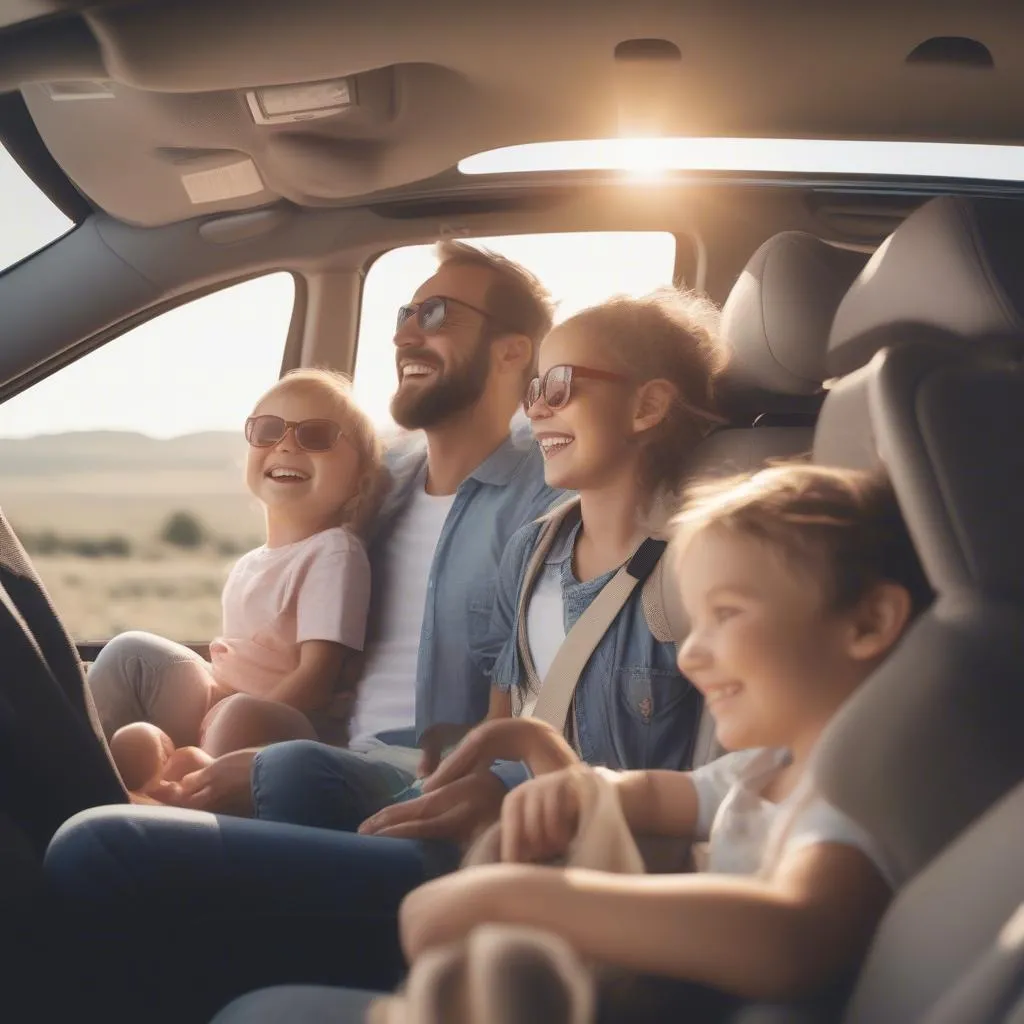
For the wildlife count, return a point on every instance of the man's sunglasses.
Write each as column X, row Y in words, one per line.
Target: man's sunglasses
column 310, row 435
column 432, row 314
column 556, row 385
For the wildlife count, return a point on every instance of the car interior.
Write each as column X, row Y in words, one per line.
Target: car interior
column 875, row 318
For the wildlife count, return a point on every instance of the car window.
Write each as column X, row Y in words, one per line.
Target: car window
column 123, row 472
column 579, row 268
column 29, row 219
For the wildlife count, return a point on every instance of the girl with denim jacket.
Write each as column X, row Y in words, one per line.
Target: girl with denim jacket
column 624, row 393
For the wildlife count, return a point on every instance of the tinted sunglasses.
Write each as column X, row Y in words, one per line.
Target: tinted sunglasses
column 556, row 385
column 432, row 314
column 310, row 435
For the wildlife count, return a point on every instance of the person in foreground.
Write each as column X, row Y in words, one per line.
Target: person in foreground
column 798, row 582
column 295, row 609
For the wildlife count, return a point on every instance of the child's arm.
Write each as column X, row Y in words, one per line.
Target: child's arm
column 540, row 818
column 769, row 940
column 500, row 705
column 311, row 685
column 659, row 803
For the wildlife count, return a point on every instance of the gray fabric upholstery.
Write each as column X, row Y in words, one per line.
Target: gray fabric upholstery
column 778, row 315
column 950, row 426
column 955, row 263
column 937, row 956
column 844, row 435
column 776, row 321
column 993, row 987
column 741, row 449
column 934, row 737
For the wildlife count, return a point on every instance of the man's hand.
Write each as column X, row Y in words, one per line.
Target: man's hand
column 434, row 742
column 457, row 812
column 224, row 787
column 504, row 739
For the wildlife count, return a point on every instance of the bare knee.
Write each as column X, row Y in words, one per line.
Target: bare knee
column 241, row 721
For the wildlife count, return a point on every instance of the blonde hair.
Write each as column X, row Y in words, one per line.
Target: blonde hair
column 667, row 335
column 842, row 526
column 358, row 429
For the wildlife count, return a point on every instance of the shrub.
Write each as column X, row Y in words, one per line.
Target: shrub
column 49, row 542
column 183, row 530
column 97, row 547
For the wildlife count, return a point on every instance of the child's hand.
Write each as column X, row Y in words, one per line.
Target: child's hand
column 539, row 819
column 224, row 786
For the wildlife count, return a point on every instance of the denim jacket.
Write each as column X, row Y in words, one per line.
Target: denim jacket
column 633, row 709
column 505, row 491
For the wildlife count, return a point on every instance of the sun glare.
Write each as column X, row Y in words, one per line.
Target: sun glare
column 648, row 158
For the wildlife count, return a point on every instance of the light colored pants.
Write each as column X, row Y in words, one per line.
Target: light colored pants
column 141, row 677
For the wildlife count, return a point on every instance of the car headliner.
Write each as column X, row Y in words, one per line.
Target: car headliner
column 439, row 81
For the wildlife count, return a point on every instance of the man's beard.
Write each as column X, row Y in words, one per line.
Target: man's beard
column 426, row 405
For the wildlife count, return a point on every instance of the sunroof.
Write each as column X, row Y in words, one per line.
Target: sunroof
column 649, row 157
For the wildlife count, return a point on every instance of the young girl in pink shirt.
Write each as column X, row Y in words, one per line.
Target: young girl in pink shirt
column 294, row 610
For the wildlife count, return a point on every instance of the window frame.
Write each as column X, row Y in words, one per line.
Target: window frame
column 54, row 364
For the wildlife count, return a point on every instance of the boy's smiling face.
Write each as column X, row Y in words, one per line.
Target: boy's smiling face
column 772, row 660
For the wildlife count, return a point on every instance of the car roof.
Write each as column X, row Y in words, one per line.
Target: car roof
column 168, row 132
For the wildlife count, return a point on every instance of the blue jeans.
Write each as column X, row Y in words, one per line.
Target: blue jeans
column 307, row 783
column 197, row 909
column 298, row 1004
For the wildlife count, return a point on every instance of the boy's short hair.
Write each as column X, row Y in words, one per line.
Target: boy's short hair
column 843, row 526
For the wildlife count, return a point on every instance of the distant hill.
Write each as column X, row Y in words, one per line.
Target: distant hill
column 114, row 451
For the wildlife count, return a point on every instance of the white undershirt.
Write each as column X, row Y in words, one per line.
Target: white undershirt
column 387, row 693
column 545, row 627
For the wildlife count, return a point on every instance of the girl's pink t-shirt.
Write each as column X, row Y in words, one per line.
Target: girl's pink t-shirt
column 277, row 598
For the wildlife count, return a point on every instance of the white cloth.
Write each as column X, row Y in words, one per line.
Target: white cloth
column 387, row 692
column 747, row 834
column 545, row 628
column 278, row 598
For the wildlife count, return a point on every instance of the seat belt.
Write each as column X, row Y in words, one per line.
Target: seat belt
column 559, row 685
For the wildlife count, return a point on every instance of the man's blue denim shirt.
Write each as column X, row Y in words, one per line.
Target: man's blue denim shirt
column 506, row 491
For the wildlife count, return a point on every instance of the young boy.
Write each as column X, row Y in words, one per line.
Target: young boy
column 798, row 582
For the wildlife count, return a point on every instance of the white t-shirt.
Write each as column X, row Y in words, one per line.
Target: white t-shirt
column 387, row 692
column 747, row 834
column 545, row 628
column 277, row 598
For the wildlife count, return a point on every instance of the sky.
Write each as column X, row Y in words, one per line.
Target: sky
column 202, row 366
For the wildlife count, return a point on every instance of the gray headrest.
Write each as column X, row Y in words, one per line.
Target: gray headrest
column 954, row 263
column 778, row 314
